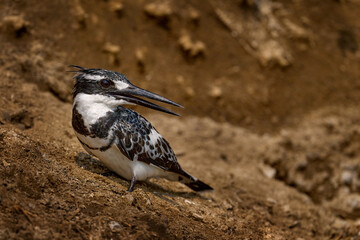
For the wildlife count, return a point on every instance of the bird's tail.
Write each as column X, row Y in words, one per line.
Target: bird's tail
column 194, row 183
column 198, row 186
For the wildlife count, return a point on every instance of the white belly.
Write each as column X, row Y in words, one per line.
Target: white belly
column 120, row 164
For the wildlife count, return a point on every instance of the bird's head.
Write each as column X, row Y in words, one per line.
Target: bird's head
column 115, row 87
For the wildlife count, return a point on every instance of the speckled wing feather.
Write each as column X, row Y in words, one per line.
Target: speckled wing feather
column 139, row 140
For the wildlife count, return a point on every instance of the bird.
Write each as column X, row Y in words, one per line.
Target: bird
column 121, row 138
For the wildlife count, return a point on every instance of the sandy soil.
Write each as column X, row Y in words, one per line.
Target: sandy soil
column 271, row 92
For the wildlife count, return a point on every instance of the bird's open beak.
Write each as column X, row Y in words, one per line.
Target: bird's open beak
column 129, row 94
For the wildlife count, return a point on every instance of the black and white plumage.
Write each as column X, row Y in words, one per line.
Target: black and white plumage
column 121, row 138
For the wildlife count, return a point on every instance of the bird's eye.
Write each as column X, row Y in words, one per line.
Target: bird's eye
column 105, row 83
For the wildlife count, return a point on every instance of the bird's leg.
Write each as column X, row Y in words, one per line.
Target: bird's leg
column 132, row 184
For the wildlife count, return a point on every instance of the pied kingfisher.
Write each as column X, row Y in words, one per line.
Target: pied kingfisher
column 121, row 138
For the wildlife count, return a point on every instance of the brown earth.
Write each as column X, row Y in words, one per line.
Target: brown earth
column 271, row 91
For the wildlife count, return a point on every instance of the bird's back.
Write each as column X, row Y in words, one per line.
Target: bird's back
column 139, row 140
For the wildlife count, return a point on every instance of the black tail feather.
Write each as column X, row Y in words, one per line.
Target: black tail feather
column 198, row 186
column 193, row 183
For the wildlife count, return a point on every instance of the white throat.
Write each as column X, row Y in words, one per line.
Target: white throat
column 94, row 106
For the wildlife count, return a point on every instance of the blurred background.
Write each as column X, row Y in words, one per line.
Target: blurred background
column 271, row 90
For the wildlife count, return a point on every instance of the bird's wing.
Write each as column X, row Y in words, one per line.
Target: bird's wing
column 138, row 140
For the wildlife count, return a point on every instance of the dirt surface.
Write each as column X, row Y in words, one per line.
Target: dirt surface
column 271, row 91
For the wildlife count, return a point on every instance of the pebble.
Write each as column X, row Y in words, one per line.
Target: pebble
column 194, row 14
column 116, row 7
column 115, row 226
column 111, row 48
column 158, row 10
column 340, row 223
column 346, row 177
column 190, row 92
column 130, row 198
column 216, row 92
column 228, row 206
column 267, row 171
column 191, row 48
column 14, row 23
column 140, row 55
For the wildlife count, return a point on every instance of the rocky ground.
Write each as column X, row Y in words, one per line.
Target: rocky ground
column 271, row 92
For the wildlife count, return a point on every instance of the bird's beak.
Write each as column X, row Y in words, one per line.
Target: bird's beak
column 129, row 94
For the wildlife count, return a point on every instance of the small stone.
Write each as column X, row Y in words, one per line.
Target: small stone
column 228, row 206
column 347, row 205
column 346, row 177
column 268, row 171
column 148, row 201
column 271, row 200
column 296, row 31
column 130, row 199
column 94, row 19
column 357, row 223
column 80, row 14
column 331, row 123
column 115, row 226
column 190, row 202
column 158, row 10
column 116, row 7
column 215, row 92
column 191, row 48
column 190, row 92
column 194, row 15
column 6, row 164
column 197, row 217
column 15, row 24
column 294, row 224
column 140, row 55
column 286, row 208
column 272, row 53
column 40, row 233
column 180, row 80
column 340, row 224
column 111, row 48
